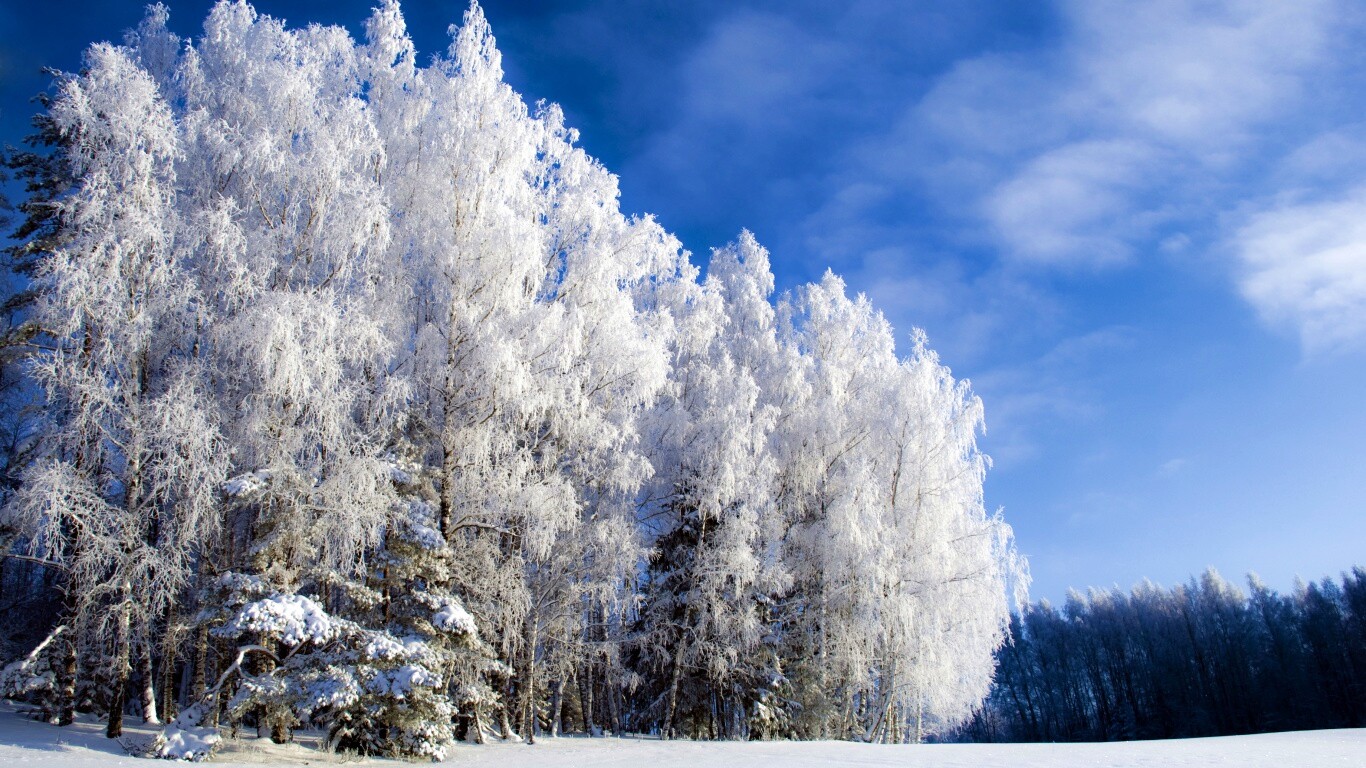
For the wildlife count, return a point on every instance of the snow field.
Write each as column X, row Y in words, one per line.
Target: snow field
column 33, row 744
column 1301, row 749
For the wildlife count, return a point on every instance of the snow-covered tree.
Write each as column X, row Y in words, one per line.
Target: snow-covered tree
column 371, row 690
column 290, row 224
column 528, row 359
column 900, row 576
column 702, row 619
column 330, row 334
column 123, row 495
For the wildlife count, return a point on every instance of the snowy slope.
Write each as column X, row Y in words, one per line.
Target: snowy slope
column 37, row 745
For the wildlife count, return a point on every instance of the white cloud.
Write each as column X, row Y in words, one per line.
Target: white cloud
column 1085, row 348
column 1304, row 266
column 745, row 71
column 1334, row 159
column 1080, row 151
column 1194, row 73
column 1127, row 129
column 995, row 105
column 1072, row 205
column 1172, row 466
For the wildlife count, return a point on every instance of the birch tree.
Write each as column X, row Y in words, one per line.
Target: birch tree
column 708, row 500
column 291, row 226
column 123, row 495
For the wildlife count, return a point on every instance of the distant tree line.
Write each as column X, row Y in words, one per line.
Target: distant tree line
column 1200, row 659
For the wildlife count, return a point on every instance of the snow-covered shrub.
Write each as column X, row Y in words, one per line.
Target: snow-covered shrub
column 25, row 676
column 373, row 691
column 185, row 739
column 33, row 677
column 769, row 717
column 383, row 695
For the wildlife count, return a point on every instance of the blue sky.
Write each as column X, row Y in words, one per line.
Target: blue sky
column 1138, row 228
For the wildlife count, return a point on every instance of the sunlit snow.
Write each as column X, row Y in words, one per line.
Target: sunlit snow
column 39, row 745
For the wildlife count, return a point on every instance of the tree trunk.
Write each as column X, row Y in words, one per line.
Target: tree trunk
column 66, row 683
column 449, row 442
column 268, row 724
column 199, row 684
column 712, row 729
column 667, row 732
column 613, row 693
column 874, row 732
column 476, row 722
column 279, row 725
column 585, row 677
column 122, row 667
column 169, row 660
column 919, row 720
column 149, row 693
column 504, row 721
column 216, row 711
column 556, row 705
column 447, row 496
column 527, row 686
column 823, row 666
column 115, row 728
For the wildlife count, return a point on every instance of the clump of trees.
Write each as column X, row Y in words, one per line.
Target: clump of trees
column 1200, row 659
column 341, row 394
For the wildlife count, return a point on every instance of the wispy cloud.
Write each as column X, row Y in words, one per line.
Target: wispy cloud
column 1075, row 204
column 1172, row 467
column 1195, row 75
column 1129, row 121
column 1035, row 400
column 1143, row 131
column 1304, row 267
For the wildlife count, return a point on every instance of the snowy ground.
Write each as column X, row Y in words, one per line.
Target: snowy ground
column 37, row 745
column 1305, row 749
